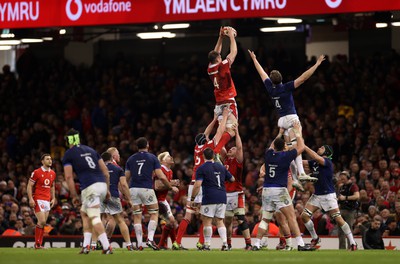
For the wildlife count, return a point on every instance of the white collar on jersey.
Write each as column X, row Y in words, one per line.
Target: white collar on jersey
column 165, row 167
column 44, row 169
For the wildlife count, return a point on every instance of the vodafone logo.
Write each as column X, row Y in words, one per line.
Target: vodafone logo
column 333, row 3
column 69, row 13
column 95, row 7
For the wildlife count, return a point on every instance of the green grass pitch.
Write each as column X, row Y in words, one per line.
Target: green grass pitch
column 70, row 256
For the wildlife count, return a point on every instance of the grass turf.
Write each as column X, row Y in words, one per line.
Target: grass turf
column 70, row 256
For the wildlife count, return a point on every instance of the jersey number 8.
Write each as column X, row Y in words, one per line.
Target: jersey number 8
column 90, row 162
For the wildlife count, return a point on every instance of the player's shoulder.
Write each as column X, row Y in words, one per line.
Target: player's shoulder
column 225, row 62
column 35, row 172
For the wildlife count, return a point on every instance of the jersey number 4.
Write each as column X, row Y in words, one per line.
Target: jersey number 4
column 277, row 105
column 216, row 85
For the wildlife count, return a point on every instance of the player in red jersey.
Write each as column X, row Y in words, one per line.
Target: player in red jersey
column 166, row 161
column 220, row 74
column 234, row 192
column 41, row 193
column 202, row 142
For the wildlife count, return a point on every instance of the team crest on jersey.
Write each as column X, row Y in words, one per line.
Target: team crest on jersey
column 315, row 170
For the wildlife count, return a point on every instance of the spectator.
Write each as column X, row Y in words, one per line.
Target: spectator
column 348, row 204
column 392, row 229
column 372, row 236
column 30, row 226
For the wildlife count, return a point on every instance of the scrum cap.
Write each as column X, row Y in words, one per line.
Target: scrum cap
column 200, row 139
column 72, row 137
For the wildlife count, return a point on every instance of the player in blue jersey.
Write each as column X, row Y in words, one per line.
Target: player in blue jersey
column 139, row 171
column 113, row 206
column 94, row 181
column 324, row 197
column 275, row 195
column 282, row 96
column 211, row 177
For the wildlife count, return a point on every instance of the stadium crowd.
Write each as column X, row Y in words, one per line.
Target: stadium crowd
column 350, row 104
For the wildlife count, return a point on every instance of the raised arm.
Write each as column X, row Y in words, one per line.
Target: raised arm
column 300, row 141
column 307, row 74
column 239, row 146
column 233, row 47
column 222, row 125
column 313, row 155
column 210, row 127
column 258, row 66
column 280, row 133
column 218, row 46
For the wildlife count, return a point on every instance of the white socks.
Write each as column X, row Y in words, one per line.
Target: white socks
column 151, row 229
column 300, row 241
column 310, row 227
column 222, row 234
column 349, row 234
column 207, row 230
column 139, row 234
column 104, row 241
column 87, row 237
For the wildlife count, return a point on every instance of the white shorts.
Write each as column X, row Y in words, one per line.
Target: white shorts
column 275, row 198
column 168, row 212
column 219, row 108
column 287, row 121
column 213, row 210
column 93, row 195
column 42, row 206
column 143, row 196
column 112, row 206
column 326, row 202
column 235, row 204
column 199, row 196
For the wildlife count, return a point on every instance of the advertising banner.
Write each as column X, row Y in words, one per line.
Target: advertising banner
column 62, row 13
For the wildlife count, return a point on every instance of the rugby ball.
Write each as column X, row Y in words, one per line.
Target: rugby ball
column 225, row 31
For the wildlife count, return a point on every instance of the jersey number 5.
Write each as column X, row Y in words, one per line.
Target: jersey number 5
column 271, row 172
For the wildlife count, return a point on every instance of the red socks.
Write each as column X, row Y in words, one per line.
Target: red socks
column 201, row 233
column 164, row 236
column 181, row 230
column 39, row 235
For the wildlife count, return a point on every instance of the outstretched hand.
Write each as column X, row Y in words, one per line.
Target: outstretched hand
column 297, row 126
column 252, row 54
column 320, row 60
